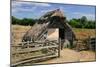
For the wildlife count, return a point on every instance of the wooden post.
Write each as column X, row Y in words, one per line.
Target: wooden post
column 59, row 47
column 22, row 44
column 28, row 44
column 89, row 43
column 72, row 40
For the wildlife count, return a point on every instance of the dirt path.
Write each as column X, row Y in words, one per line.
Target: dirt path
column 68, row 55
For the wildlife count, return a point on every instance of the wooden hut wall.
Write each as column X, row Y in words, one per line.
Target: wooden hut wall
column 68, row 34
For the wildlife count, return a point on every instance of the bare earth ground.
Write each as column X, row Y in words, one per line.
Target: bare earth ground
column 67, row 55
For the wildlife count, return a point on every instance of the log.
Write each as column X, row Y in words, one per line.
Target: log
column 32, row 49
column 36, row 60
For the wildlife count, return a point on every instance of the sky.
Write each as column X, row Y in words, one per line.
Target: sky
column 35, row 10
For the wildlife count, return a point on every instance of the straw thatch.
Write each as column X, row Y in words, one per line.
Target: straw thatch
column 52, row 19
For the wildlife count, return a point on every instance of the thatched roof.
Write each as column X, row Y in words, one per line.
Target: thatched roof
column 57, row 13
column 50, row 14
column 38, row 29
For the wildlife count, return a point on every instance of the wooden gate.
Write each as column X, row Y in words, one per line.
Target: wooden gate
column 32, row 52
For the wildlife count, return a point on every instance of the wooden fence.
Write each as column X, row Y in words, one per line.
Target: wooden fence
column 26, row 52
column 86, row 44
column 92, row 43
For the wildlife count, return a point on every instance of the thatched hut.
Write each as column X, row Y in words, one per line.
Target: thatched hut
column 51, row 26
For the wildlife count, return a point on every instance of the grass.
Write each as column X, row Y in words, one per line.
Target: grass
column 20, row 28
column 84, row 33
column 18, row 32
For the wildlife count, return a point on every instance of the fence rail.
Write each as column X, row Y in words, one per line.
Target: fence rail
column 36, row 60
column 52, row 48
column 33, row 49
column 84, row 44
column 92, row 43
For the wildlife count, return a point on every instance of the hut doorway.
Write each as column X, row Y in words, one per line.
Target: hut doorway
column 62, row 34
column 62, row 37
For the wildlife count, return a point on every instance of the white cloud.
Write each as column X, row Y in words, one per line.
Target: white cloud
column 42, row 4
column 47, row 10
column 17, row 6
column 14, row 3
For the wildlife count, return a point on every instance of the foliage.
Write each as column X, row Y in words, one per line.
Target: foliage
column 24, row 21
column 82, row 22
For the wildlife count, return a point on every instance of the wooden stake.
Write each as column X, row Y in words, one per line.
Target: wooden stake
column 59, row 47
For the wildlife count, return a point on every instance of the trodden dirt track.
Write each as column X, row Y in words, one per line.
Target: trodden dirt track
column 68, row 55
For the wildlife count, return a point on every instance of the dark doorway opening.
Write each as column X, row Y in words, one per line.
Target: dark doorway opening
column 62, row 34
column 62, row 37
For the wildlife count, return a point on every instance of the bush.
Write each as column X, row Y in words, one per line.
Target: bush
column 24, row 21
column 82, row 22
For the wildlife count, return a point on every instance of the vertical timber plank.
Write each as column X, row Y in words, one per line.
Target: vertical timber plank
column 59, row 47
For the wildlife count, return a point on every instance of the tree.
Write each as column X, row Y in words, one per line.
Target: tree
column 73, row 22
column 24, row 21
column 83, row 21
column 15, row 20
